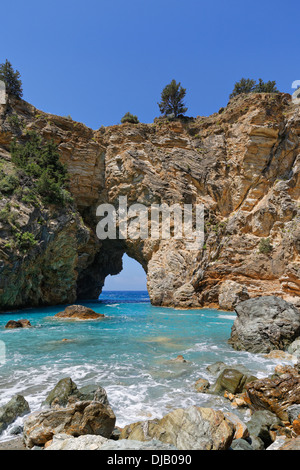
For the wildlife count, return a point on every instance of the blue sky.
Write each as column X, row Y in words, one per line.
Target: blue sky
column 95, row 60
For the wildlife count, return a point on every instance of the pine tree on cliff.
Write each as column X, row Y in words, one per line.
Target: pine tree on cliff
column 172, row 99
column 248, row 85
column 11, row 79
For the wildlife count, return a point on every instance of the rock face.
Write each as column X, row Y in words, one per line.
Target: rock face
column 192, row 428
column 264, row 324
column 230, row 294
column 16, row 407
column 78, row 312
column 242, row 164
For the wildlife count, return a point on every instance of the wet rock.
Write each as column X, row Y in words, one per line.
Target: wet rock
column 66, row 391
column 78, row 312
column 202, row 385
column 232, row 381
column 18, row 324
column 264, row 324
column 193, row 428
column 16, row 407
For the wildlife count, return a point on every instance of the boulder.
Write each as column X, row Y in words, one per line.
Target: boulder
column 232, row 381
column 66, row 392
column 202, row 386
column 192, row 428
column 84, row 417
column 275, row 394
column 11, row 324
column 264, row 425
column 16, row 407
column 78, row 312
column 230, row 294
column 240, row 444
column 264, row 324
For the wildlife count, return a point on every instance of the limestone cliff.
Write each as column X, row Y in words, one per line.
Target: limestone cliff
column 242, row 163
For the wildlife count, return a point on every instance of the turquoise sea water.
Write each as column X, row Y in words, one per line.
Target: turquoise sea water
column 129, row 353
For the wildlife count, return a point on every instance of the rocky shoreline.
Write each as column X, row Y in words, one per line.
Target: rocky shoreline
column 265, row 411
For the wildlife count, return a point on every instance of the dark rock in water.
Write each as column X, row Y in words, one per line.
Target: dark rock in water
column 264, row 324
column 16, row 407
column 78, row 312
column 232, row 381
column 66, row 392
column 61, row 392
column 18, row 324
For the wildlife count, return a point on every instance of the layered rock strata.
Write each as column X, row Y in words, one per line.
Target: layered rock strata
column 242, row 164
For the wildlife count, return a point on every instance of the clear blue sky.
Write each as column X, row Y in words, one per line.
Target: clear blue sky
column 95, row 60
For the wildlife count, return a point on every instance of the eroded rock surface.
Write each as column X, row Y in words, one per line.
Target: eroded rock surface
column 243, row 164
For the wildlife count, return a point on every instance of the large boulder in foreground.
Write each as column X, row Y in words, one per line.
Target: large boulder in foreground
column 264, row 324
column 83, row 417
column 78, row 312
column 192, row 428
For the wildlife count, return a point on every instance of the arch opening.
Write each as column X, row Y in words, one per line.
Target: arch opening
column 132, row 277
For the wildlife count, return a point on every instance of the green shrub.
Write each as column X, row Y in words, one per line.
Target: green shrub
column 40, row 161
column 25, row 240
column 265, row 246
column 8, row 183
column 248, row 85
column 128, row 117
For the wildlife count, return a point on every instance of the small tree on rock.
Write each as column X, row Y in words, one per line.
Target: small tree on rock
column 172, row 99
column 11, row 79
column 128, row 117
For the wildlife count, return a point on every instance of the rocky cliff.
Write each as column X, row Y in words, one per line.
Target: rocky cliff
column 242, row 163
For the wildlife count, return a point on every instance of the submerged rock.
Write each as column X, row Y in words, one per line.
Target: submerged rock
column 264, row 324
column 18, row 324
column 78, row 312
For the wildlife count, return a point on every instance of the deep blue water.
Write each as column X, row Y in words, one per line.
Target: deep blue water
column 129, row 353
